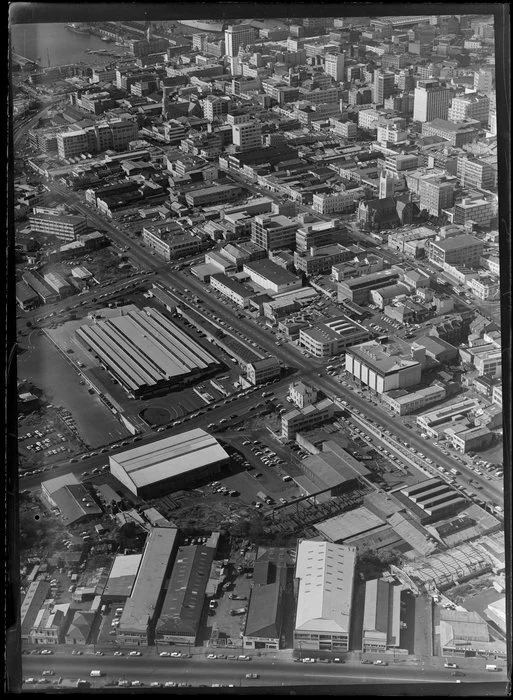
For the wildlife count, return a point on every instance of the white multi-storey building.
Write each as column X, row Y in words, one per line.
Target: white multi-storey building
column 431, row 101
column 334, row 65
column 237, row 36
column 247, row 135
column 470, row 106
column 336, row 202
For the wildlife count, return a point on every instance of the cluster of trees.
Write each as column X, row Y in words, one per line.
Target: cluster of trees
column 371, row 563
column 34, row 531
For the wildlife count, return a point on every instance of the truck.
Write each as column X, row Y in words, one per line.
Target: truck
column 262, row 496
column 96, row 674
column 238, row 611
column 454, row 471
column 491, row 667
column 234, row 596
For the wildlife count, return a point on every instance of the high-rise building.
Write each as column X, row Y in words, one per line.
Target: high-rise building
column 247, row 135
column 473, row 172
column 383, row 86
column 273, row 232
column 436, row 193
column 432, row 100
column 238, row 35
column 484, row 79
column 334, row 65
column 214, row 107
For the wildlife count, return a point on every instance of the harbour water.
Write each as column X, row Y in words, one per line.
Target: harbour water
column 38, row 42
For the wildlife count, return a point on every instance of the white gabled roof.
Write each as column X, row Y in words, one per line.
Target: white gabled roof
column 169, row 457
column 326, row 573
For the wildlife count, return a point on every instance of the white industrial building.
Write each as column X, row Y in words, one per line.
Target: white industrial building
column 168, row 464
column 325, row 574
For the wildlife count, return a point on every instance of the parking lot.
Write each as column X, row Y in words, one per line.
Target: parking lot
column 219, row 616
column 49, row 370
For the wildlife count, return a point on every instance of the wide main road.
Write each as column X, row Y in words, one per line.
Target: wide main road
column 272, row 672
column 265, row 339
column 330, row 386
column 333, row 388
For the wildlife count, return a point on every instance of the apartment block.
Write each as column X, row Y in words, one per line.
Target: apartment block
column 298, row 419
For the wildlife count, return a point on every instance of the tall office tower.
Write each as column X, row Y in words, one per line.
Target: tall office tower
column 334, row 66
column 238, row 35
column 431, row 101
column 383, row 86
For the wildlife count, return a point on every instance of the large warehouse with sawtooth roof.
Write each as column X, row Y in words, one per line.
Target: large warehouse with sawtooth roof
column 146, row 352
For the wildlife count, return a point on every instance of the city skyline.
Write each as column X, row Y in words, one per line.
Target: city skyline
column 258, row 268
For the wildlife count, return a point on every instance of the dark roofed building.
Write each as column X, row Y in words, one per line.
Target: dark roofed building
column 75, row 504
column 385, row 212
column 182, row 608
column 81, row 628
column 264, row 621
column 273, row 565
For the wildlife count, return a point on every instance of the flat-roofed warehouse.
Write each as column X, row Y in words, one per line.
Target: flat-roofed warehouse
column 122, row 577
column 168, row 464
column 141, row 610
column 145, row 351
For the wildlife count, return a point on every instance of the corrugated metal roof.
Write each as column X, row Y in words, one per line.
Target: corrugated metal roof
column 264, row 613
column 183, row 604
column 326, row 573
column 169, row 457
column 140, row 607
column 144, row 348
